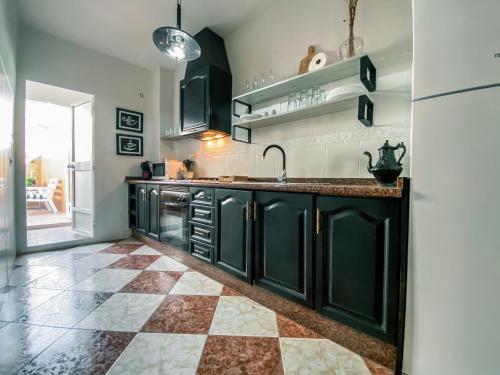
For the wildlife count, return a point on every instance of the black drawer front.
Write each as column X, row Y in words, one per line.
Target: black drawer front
column 202, row 233
column 203, row 214
column 201, row 250
column 202, row 196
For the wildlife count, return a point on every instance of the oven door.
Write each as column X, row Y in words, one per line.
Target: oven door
column 174, row 224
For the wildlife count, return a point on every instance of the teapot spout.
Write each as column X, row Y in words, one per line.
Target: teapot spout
column 370, row 166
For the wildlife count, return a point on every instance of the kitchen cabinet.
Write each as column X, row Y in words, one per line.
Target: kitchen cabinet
column 357, row 262
column 141, row 222
column 147, row 210
column 153, row 211
column 234, row 223
column 284, row 244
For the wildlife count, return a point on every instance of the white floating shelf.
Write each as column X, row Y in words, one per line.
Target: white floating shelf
column 303, row 113
column 329, row 73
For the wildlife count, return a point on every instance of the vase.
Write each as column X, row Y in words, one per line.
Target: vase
column 351, row 47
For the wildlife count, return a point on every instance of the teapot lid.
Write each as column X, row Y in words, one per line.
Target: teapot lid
column 386, row 145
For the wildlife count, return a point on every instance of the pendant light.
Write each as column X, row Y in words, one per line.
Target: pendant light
column 175, row 42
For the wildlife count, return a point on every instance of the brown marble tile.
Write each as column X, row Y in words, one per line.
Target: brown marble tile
column 226, row 291
column 183, row 314
column 241, row 355
column 153, row 282
column 376, row 369
column 135, row 262
column 289, row 328
column 121, row 248
column 80, row 352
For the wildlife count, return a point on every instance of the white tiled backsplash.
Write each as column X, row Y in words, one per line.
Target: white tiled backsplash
column 325, row 146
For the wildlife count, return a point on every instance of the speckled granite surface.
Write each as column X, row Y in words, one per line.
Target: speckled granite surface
column 347, row 187
column 360, row 343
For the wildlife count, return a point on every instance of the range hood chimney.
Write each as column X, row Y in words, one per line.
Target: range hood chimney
column 213, row 53
column 206, row 90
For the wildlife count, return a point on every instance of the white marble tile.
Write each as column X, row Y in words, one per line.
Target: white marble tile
column 319, row 356
column 107, row 280
column 19, row 301
column 240, row 316
column 100, row 260
column 30, row 258
column 160, row 353
column 60, row 259
column 20, row 343
column 93, row 248
column 196, row 284
column 26, row 274
column 342, row 160
column 65, row 310
column 63, row 278
column 145, row 250
column 166, row 264
column 122, row 312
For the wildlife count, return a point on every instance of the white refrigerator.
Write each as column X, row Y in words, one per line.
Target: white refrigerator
column 453, row 322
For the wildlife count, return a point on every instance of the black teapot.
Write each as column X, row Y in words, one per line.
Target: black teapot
column 387, row 169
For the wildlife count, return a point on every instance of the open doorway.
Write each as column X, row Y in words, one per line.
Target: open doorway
column 59, row 165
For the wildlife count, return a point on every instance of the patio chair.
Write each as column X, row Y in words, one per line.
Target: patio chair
column 36, row 194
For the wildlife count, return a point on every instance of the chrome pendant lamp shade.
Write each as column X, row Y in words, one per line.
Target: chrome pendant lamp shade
column 175, row 42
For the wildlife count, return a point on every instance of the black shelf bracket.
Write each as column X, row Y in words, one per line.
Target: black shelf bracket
column 368, row 73
column 240, row 108
column 241, row 134
column 365, row 110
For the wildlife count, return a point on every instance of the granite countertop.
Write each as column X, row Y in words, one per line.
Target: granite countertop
column 347, row 187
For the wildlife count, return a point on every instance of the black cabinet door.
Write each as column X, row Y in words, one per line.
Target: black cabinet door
column 153, row 211
column 141, row 196
column 194, row 102
column 357, row 263
column 283, row 244
column 233, row 218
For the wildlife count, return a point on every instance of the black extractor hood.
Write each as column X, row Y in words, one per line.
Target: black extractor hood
column 205, row 91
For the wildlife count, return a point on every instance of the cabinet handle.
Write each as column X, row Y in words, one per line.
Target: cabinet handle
column 254, row 211
column 143, row 195
column 248, row 211
column 318, row 220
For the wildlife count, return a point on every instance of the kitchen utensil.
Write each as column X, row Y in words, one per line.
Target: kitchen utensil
column 387, row 169
column 304, row 63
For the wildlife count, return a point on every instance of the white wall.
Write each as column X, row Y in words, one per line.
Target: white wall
column 114, row 83
column 8, row 52
column 328, row 146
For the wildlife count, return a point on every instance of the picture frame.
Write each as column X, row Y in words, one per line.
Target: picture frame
column 130, row 121
column 240, row 108
column 129, row 145
column 241, row 134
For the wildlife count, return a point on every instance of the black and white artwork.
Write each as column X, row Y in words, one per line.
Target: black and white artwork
column 129, row 145
column 130, row 121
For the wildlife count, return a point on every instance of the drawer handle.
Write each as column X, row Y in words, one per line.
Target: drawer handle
column 200, row 195
column 203, row 213
column 202, row 232
column 200, row 250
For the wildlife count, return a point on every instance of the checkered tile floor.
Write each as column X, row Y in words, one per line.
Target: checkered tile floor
column 125, row 308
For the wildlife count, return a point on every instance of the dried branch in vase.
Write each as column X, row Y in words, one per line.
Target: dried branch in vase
column 351, row 8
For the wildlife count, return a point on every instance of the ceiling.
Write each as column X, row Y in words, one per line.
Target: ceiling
column 54, row 95
column 123, row 28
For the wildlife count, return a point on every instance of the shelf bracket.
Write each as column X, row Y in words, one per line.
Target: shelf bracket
column 368, row 73
column 240, row 108
column 365, row 110
column 241, row 134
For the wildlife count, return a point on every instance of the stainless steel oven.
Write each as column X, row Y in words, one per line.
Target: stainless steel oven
column 174, row 216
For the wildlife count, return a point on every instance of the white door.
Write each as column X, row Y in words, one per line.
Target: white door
column 82, row 168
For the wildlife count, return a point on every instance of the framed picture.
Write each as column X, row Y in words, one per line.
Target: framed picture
column 240, row 108
column 242, row 134
column 129, row 145
column 129, row 121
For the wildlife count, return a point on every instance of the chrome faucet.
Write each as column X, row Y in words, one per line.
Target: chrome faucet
column 281, row 178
